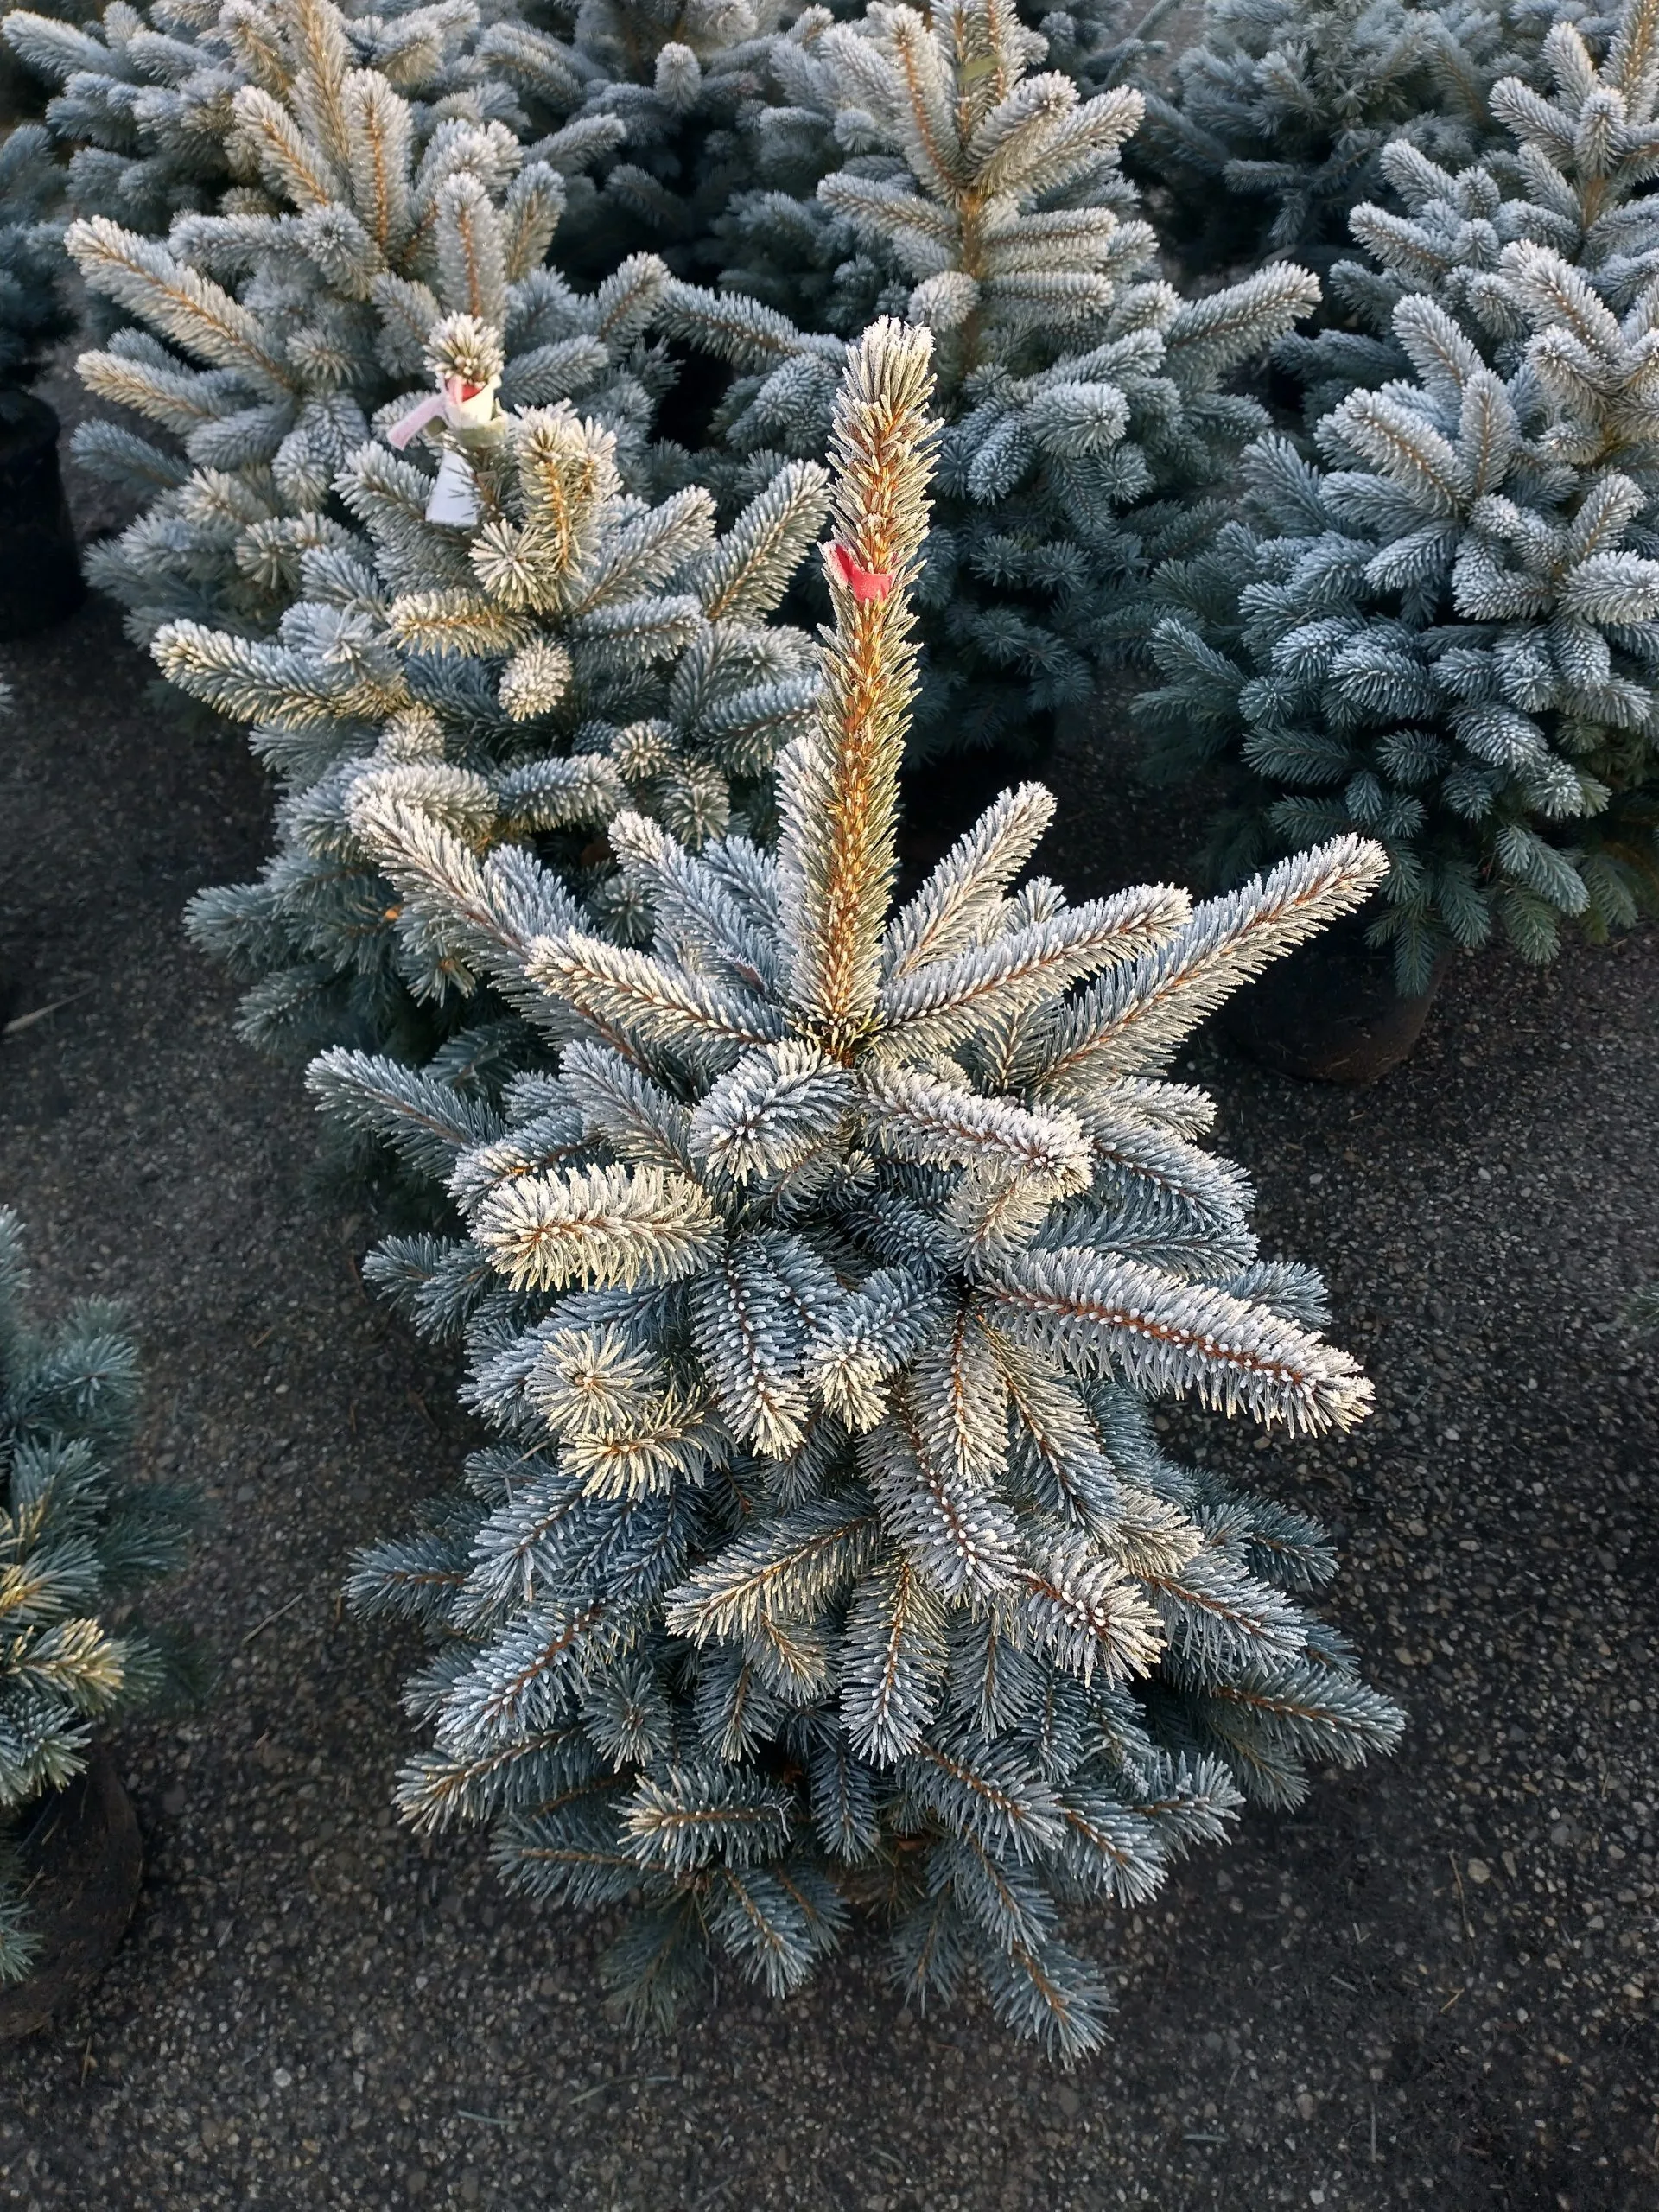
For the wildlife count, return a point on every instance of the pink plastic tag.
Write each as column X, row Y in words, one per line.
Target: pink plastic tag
column 863, row 583
column 416, row 419
column 455, row 395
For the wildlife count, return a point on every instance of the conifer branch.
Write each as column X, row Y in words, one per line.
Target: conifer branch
column 839, row 786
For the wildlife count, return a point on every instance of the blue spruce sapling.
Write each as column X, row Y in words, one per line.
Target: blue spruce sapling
column 34, row 311
column 1447, row 637
column 77, row 1544
column 817, row 1277
column 575, row 653
column 665, row 92
column 279, row 325
column 144, row 109
column 1274, row 127
column 1083, row 402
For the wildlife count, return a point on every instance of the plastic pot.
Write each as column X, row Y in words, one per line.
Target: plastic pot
column 1330, row 1011
column 82, row 1860
column 41, row 581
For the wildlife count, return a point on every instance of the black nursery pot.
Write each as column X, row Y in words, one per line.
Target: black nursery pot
column 39, row 573
column 1329, row 1011
column 82, row 1860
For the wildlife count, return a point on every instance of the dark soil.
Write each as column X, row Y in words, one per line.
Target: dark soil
column 1434, row 1985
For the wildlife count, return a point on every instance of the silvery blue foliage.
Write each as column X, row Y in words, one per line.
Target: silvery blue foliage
column 576, row 653
column 34, row 312
column 1273, row 129
column 818, row 1275
column 144, row 108
column 78, row 1542
column 662, row 96
column 1084, row 400
column 1447, row 634
column 644, row 106
column 269, row 333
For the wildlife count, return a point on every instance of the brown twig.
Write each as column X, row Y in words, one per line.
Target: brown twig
column 259, row 1627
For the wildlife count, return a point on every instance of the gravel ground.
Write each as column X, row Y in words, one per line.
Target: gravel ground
column 1434, row 1985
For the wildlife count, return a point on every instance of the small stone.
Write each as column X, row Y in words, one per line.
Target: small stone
column 1068, row 2100
column 173, row 1800
column 282, row 2079
column 415, row 2181
column 469, row 2187
column 1479, row 1871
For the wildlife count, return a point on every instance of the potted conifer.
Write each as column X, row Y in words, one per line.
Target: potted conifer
column 1443, row 633
column 817, row 1268
column 77, row 1543
column 626, row 657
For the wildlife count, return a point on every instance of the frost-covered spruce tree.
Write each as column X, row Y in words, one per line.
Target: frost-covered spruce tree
column 142, row 131
column 1273, row 129
column 139, row 102
column 817, row 1279
column 1440, row 235
column 1439, row 239
column 577, row 653
column 78, row 1543
column 144, row 104
column 34, row 312
column 1448, row 637
column 269, row 333
column 666, row 92
column 1083, row 396
column 1105, row 42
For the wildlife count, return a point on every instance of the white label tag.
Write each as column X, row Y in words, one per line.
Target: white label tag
column 454, row 496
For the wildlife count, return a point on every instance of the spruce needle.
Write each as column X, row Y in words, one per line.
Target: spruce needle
column 23, row 1021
